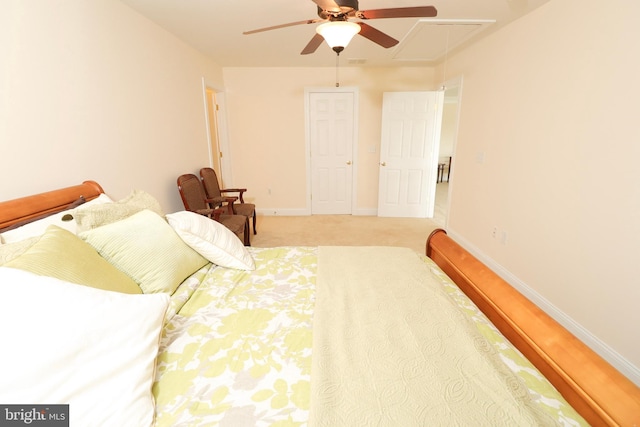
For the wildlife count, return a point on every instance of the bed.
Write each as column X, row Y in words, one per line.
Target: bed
column 275, row 336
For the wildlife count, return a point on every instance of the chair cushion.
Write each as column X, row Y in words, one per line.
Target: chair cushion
column 246, row 209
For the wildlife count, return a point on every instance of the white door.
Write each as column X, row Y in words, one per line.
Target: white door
column 331, row 118
column 409, row 153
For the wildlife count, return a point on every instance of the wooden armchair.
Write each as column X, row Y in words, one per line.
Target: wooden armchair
column 194, row 200
column 215, row 195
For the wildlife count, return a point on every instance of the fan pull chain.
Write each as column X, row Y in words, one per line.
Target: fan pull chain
column 337, row 68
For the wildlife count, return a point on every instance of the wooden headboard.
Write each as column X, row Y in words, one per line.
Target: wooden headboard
column 601, row 394
column 40, row 205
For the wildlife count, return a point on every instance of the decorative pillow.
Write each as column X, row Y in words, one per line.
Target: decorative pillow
column 62, row 219
column 63, row 255
column 211, row 239
column 96, row 216
column 9, row 251
column 92, row 349
column 146, row 248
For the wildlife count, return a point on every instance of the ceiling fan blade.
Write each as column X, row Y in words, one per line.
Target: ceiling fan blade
column 398, row 12
column 290, row 24
column 313, row 44
column 376, row 36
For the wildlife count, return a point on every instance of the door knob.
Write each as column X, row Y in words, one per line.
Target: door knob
column 383, row 163
column 348, row 162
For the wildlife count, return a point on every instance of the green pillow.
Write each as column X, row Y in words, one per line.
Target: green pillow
column 62, row 255
column 146, row 248
column 90, row 217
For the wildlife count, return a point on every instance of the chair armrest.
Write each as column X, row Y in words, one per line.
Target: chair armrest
column 218, row 212
column 216, row 201
column 220, row 201
column 240, row 192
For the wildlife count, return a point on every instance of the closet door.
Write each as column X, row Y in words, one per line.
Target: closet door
column 331, row 118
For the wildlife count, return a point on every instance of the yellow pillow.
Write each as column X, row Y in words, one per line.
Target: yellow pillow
column 146, row 248
column 62, row 255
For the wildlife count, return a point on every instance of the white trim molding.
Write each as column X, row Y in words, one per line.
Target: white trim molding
column 610, row 355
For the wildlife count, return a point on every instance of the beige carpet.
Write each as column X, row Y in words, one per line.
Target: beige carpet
column 348, row 230
column 342, row 230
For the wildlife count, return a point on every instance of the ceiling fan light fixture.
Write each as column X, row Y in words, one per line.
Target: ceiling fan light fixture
column 338, row 34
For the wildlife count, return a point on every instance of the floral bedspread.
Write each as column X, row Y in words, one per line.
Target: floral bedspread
column 236, row 347
column 238, row 352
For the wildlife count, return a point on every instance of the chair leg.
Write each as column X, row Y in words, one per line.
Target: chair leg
column 254, row 223
column 247, row 233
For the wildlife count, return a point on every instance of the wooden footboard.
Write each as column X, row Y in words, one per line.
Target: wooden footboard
column 43, row 204
column 601, row 394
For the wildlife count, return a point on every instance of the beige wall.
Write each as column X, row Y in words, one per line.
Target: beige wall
column 267, row 127
column 92, row 90
column 551, row 102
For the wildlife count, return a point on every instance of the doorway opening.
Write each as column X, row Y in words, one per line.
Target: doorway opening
column 215, row 153
column 217, row 135
column 446, row 151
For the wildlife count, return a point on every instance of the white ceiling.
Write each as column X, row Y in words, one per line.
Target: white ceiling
column 215, row 28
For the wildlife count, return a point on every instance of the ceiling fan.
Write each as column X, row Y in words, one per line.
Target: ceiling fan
column 340, row 11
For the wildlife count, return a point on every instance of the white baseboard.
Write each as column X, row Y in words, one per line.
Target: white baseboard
column 305, row 212
column 620, row 363
column 365, row 212
column 282, row 212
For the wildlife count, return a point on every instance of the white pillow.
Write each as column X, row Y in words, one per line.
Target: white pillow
column 37, row 228
column 211, row 239
column 69, row 344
